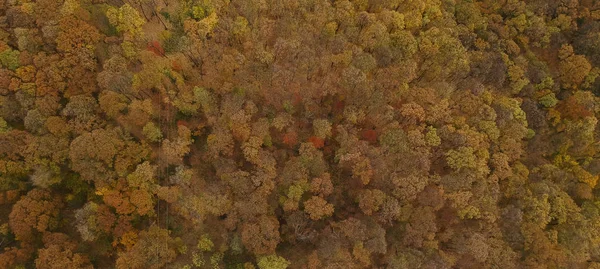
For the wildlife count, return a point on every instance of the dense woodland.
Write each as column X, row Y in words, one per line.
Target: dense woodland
column 276, row 134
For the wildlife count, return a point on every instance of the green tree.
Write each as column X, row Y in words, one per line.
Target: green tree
column 152, row 132
column 9, row 58
column 272, row 262
column 126, row 19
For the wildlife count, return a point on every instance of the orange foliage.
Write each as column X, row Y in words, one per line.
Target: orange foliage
column 572, row 109
column 290, row 138
column 176, row 66
column 12, row 256
column 184, row 123
column 156, row 48
column 317, row 142
column 36, row 211
column 369, row 135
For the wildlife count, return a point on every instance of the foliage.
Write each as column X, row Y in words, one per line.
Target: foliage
column 126, row 19
column 9, row 58
column 272, row 262
column 152, row 132
column 307, row 134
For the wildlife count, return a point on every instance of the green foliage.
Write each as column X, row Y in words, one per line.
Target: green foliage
column 395, row 139
column 547, row 83
column 216, row 259
column 201, row 10
column 186, row 104
column 205, row 244
column 3, row 126
column 404, row 44
column 432, row 138
column 272, row 262
column 236, row 245
column 513, row 106
column 463, row 157
column 548, row 100
column 330, row 29
column 152, row 132
column 206, row 99
column 198, row 259
column 516, row 74
column 142, row 177
column 240, row 26
column 470, row 212
column 322, row 128
column 342, row 134
column 289, row 108
column 9, row 58
column 126, row 19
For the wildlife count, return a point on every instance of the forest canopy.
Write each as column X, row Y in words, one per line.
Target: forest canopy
column 273, row 134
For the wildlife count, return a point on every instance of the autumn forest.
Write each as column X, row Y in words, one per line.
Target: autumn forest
column 309, row 134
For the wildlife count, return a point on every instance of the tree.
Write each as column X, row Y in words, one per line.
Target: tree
column 112, row 103
column 443, row 54
column 370, row 201
column 290, row 138
column 318, row 208
column 44, row 177
column 140, row 111
column 93, row 220
column 76, row 35
column 9, row 58
column 92, row 155
column 421, row 228
column 316, row 142
column 152, row 132
column 127, row 20
column 573, row 68
column 322, row 185
column 361, row 254
column 464, row 157
column 362, row 170
column 374, row 35
column 407, row 188
column 38, row 211
column 14, row 256
column 273, row 262
column 101, row 155
column 115, row 76
column 261, row 236
column 59, row 252
column 322, row 128
column 412, row 113
column 155, row 248
column 175, row 150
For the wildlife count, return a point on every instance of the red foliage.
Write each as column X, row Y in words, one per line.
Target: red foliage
column 123, row 225
column 8, row 196
column 338, row 106
column 13, row 255
column 297, row 98
column 317, row 142
column 572, row 109
column 369, row 135
column 155, row 47
column 176, row 66
column 184, row 123
column 290, row 138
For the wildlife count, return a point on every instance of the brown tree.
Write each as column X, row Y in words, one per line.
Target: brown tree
column 155, row 248
column 318, row 208
column 261, row 236
column 59, row 252
column 36, row 212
